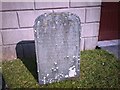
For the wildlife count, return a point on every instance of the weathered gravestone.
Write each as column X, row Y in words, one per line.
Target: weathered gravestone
column 57, row 43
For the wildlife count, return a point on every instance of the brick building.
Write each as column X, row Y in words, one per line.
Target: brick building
column 17, row 20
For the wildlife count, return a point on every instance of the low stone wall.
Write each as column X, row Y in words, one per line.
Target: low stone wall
column 16, row 32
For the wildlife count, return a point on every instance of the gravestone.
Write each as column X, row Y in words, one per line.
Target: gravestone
column 57, row 43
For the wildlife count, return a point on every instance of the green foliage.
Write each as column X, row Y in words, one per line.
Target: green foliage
column 97, row 69
column 17, row 75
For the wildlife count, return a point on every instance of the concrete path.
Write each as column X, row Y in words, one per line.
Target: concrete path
column 115, row 50
column 112, row 46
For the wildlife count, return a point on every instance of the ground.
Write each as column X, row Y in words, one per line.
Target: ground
column 98, row 69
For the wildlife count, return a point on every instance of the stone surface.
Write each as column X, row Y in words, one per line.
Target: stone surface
column 9, row 52
column 17, row 5
column 57, row 41
column 17, row 35
column 114, row 49
column 90, row 29
column 93, row 14
column 82, row 44
column 0, row 54
column 0, row 20
column 0, row 5
column 45, row 5
column 41, row 5
column 109, row 43
column 0, row 38
column 90, row 43
column 26, row 18
column 81, row 4
column 9, row 20
column 61, row 4
column 39, row 12
column 78, row 11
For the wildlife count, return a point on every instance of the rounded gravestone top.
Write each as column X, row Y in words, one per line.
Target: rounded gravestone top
column 55, row 18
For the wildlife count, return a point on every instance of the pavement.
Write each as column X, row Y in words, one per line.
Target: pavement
column 115, row 50
column 111, row 46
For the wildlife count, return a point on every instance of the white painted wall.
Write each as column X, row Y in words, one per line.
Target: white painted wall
column 18, row 19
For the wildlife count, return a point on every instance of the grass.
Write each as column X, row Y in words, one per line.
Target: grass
column 99, row 69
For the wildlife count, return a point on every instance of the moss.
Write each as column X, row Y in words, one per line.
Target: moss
column 97, row 69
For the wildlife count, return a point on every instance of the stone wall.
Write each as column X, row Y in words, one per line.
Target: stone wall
column 16, row 32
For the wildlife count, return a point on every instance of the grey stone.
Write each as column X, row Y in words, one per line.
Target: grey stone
column 83, row 4
column 90, row 43
column 57, row 43
column 0, row 20
column 0, row 38
column 9, row 52
column 82, row 44
column 14, row 36
column 93, row 14
column 0, row 54
column 26, row 18
column 114, row 49
column 78, row 11
column 17, row 5
column 44, row 5
column 90, row 29
column 9, row 20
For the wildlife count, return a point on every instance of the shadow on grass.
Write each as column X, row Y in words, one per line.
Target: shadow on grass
column 25, row 51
